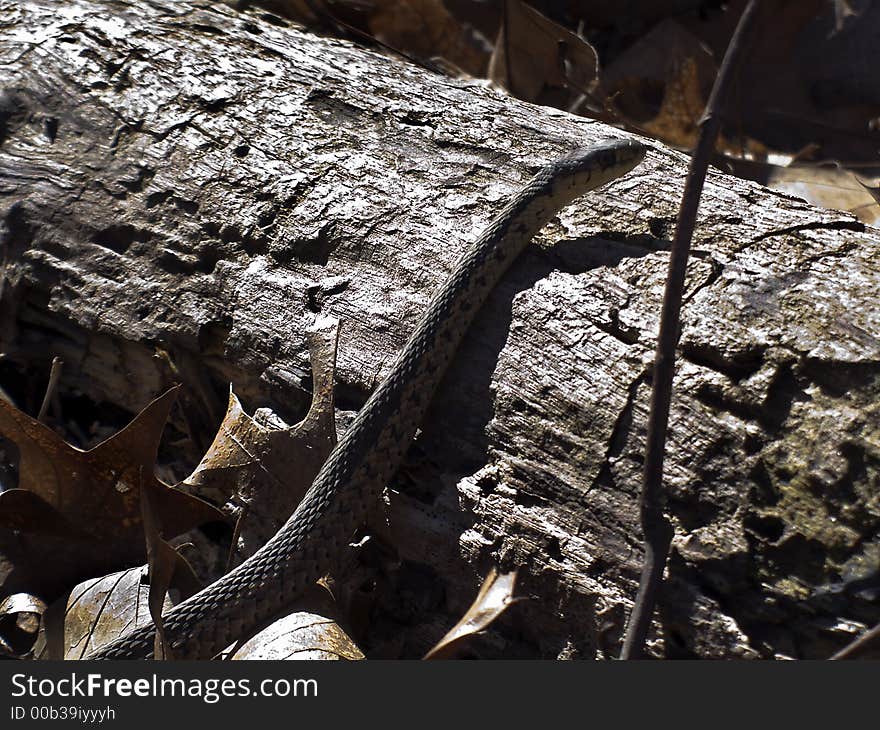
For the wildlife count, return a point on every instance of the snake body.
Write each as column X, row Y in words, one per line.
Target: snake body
column 348, row 486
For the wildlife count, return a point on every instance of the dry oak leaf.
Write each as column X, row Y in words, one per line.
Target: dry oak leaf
column 540, row 61
column 91, row 499
column 262, row 471
column 661, row 83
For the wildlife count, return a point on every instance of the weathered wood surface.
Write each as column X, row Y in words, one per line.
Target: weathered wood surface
column 181, row 183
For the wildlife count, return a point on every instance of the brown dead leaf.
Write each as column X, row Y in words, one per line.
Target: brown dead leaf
column 426, row 29
column 661, row 83
column 495, row 595
column 161, row 562
column 95, row 613
column 263, row 471
column 868, row 213
column 300, row 636
column 100, row 610
column 26, row 511
column 79, row 511
column 20, row 619
column 682, row 107
column 540, row 61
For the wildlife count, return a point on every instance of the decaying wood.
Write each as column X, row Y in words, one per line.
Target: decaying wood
column 184, row 187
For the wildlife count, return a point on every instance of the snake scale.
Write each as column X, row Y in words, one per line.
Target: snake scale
column 348, row 486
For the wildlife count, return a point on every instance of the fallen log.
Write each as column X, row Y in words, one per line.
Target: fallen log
column 184, row 187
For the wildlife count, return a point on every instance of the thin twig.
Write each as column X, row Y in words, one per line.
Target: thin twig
column 867, row 642
column 54, row 377
column 657, row 529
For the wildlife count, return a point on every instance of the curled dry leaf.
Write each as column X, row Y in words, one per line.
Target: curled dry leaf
column 79, row 511
column 99, row 610
column 866, row 212
column 540, row 61
column 299, row 635
column 20, row 619
column 495, row 595
column 95, row 613
column 263, row 471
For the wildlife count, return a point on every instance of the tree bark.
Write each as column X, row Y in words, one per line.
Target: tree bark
column 183, row 187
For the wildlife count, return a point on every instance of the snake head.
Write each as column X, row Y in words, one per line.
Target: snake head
column 585, row 169
column 590, row 167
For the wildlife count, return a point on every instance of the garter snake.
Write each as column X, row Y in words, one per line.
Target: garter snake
column 348, row 486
